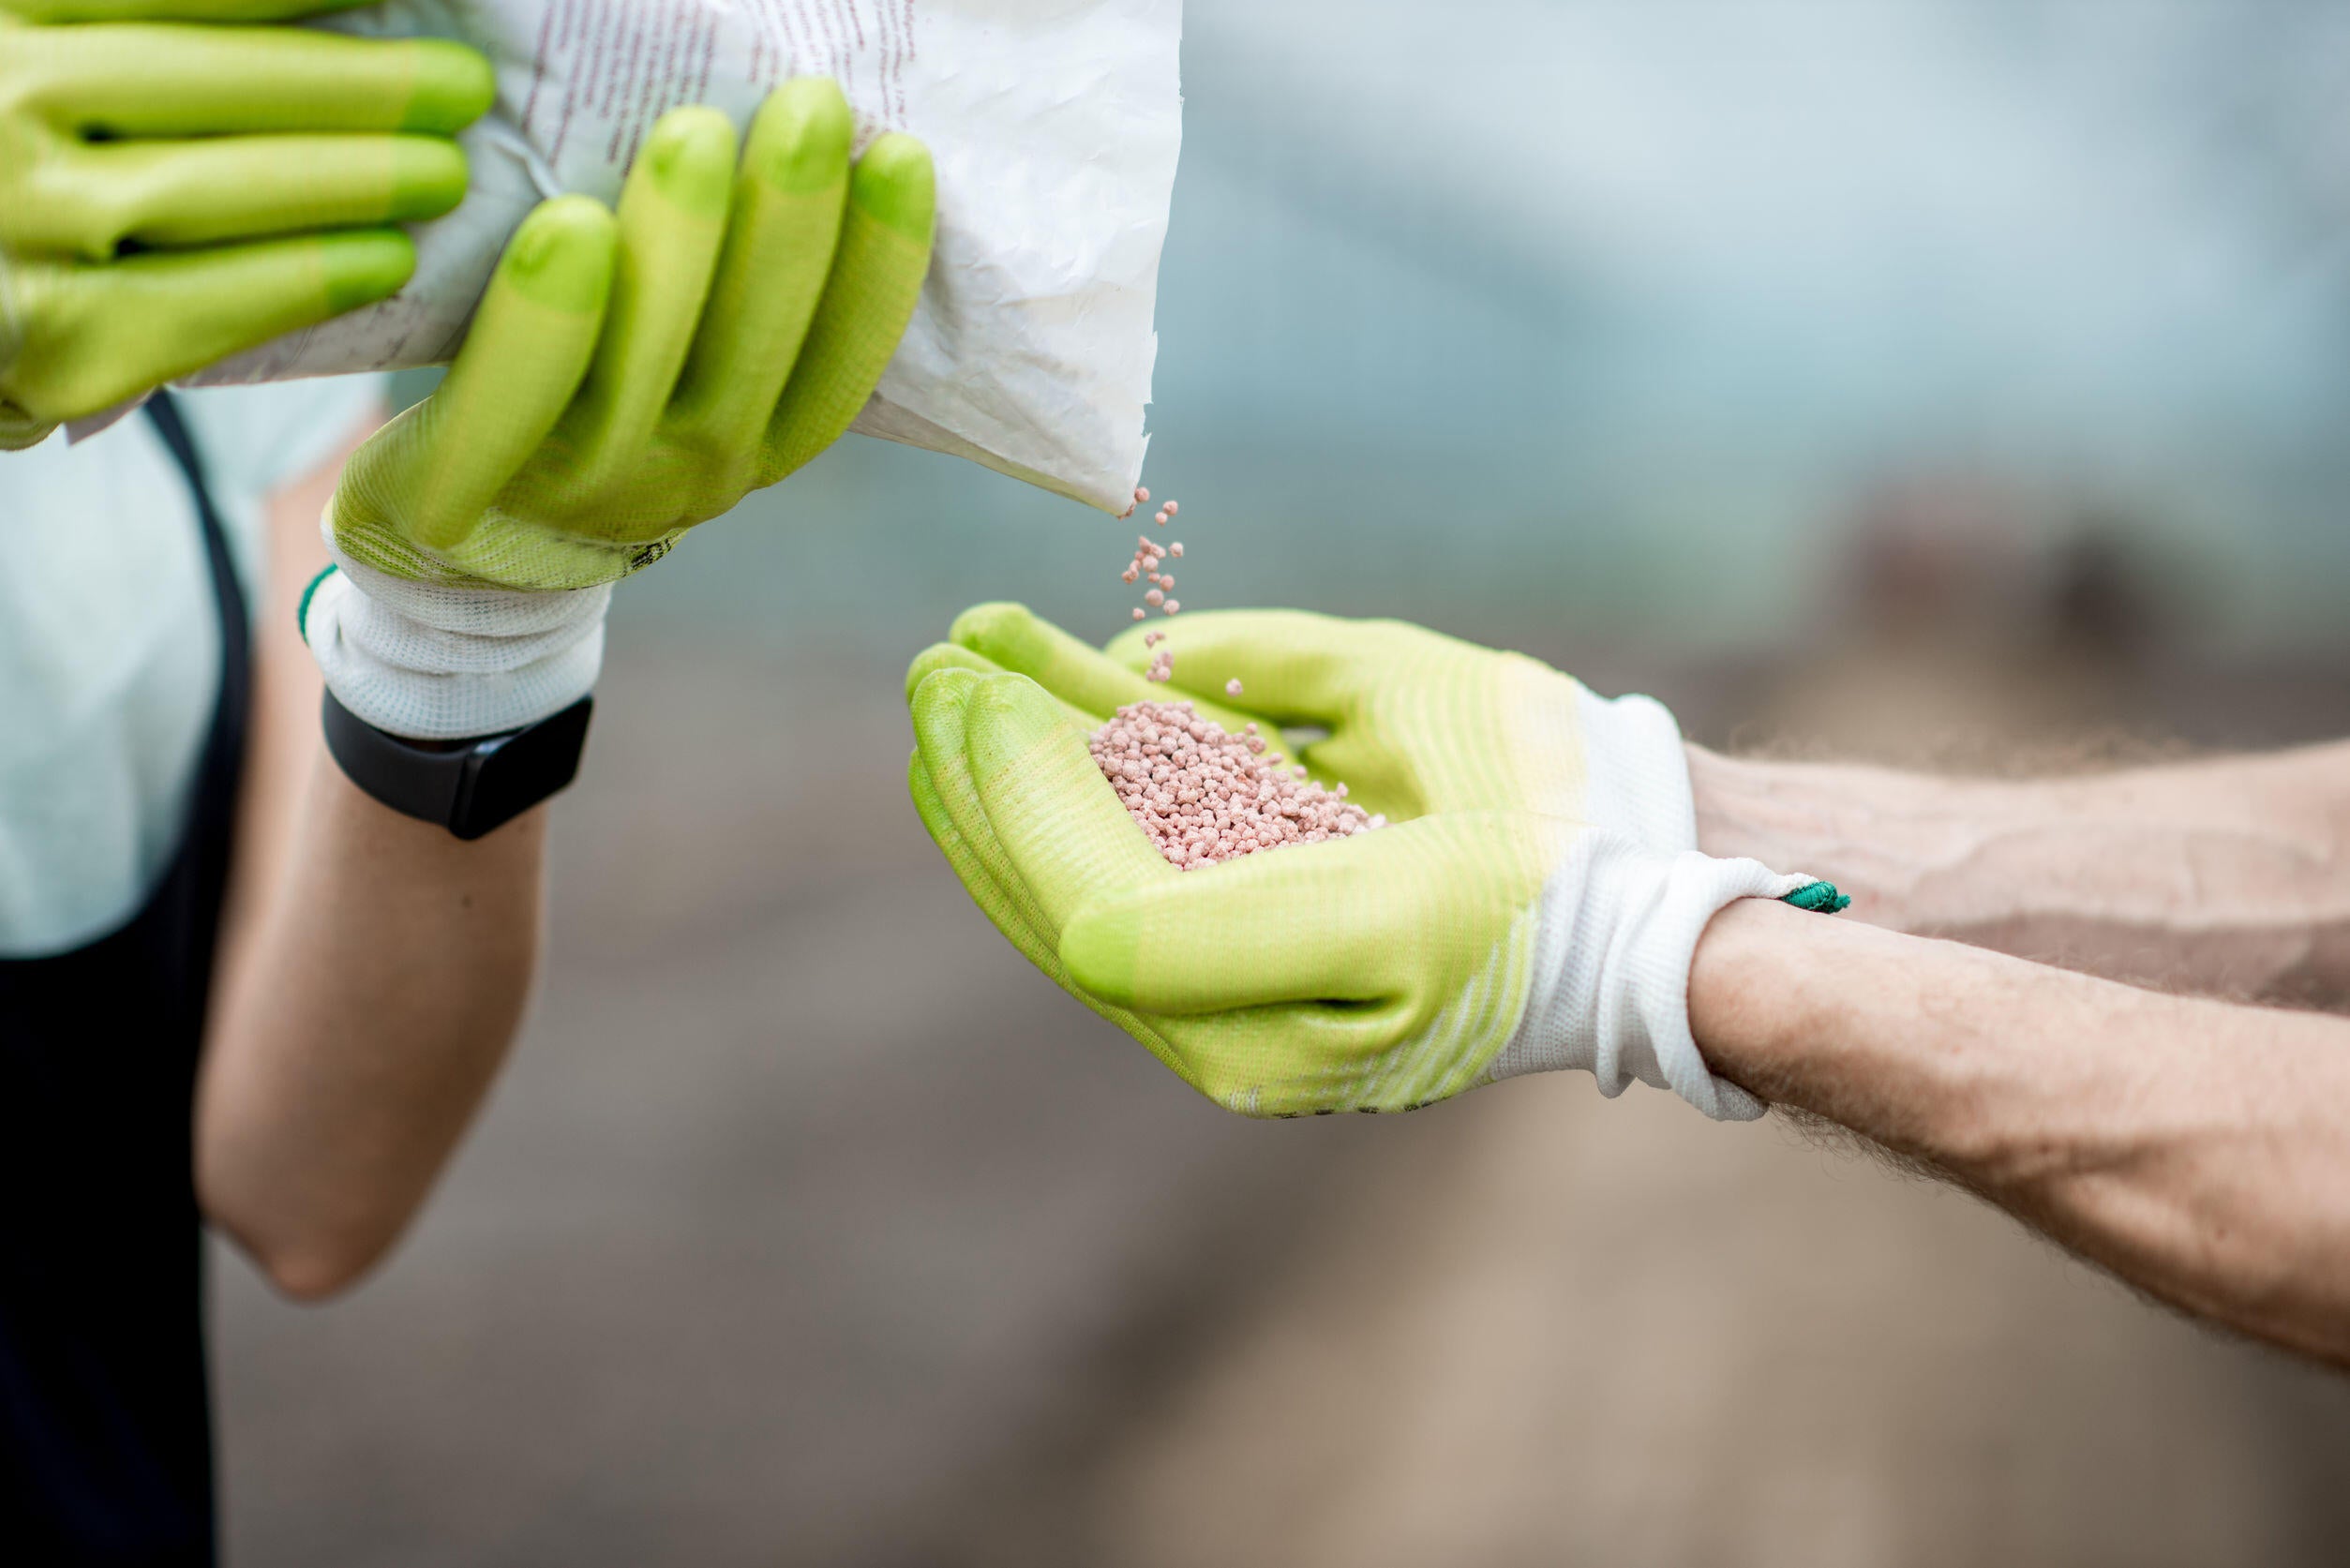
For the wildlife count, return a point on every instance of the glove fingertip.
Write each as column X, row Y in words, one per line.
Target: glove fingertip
column 564, row 254
column 943, row 656
column 428, row 177
column 1099, row 948
column 1014, row 714
column 690, row 159
column 800, row 139
column 988, row 628
column 454, row 86
column 895, row 184
column 938, row 707
column 362, row 266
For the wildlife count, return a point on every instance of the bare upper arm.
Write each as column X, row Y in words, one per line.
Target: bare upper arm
column 285, row 739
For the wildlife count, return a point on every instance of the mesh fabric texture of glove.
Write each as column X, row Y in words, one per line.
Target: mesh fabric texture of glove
column 1474, row 940
column 180, row 180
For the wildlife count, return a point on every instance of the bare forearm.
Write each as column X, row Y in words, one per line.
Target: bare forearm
column 2227, row 876
column 359, row 1026
column 2200, row 1151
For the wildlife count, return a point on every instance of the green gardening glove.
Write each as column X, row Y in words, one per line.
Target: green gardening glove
column 1475, row 941
column 179, row 182
column 627, row 378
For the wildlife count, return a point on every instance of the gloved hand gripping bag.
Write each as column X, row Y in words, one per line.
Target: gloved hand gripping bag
column 1054, row 127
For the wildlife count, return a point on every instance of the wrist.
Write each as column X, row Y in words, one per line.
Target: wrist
column 468, row 787
column 1614, row 949
column 1906, row 1041
column 1746, row 995
column 429, row 662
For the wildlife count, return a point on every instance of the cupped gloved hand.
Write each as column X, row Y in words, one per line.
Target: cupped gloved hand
column 626, row 378
column 180, row 180
column 1475, row 939
column 1418, row 722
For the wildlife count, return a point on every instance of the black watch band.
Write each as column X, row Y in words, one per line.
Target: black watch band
column 474, row 785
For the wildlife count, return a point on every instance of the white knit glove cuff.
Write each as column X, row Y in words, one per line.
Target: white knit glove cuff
column 1636, row 772
column 442, row 664
column 1619, row 927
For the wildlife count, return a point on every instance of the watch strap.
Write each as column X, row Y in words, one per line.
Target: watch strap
column 471, row 787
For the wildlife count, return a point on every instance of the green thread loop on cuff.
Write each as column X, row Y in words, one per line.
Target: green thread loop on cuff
column 302, row 610
column 1820, row 897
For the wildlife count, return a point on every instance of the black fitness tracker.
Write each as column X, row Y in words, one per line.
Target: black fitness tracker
column 467, row 786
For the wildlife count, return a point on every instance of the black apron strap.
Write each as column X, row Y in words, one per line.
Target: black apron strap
column 105, row 1415
column 236, row 616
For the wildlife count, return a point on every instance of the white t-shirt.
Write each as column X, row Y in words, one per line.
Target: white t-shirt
column 109, row 651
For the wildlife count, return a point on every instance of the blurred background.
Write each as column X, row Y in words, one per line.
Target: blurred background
column 1953, row 381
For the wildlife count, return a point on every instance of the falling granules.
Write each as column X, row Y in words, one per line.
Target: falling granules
column 1202, row 795
column 1149, row 562
column 1199, row 793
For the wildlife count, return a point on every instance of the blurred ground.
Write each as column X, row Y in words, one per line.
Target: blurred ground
column 811, row 1225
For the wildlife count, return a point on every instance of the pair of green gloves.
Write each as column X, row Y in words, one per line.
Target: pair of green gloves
column 184, row 179
column 1534, row 906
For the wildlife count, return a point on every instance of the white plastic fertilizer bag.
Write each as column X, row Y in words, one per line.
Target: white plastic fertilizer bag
column 1054, row 125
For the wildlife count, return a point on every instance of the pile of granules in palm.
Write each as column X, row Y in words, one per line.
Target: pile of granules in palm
column 1202, row 795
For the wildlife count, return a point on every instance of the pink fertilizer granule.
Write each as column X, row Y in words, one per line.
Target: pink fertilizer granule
column 1202, row 795
column 1199, row 793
